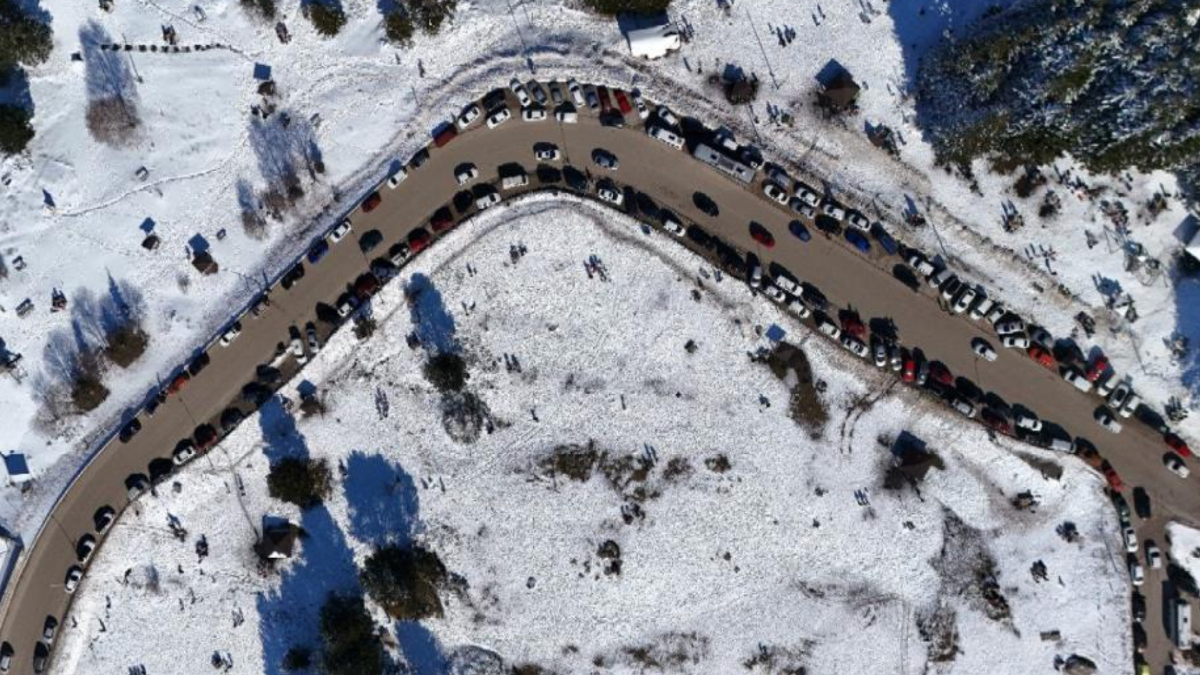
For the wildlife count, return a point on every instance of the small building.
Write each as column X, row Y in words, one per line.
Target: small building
column 839, row 93
column 18, row 468
column 278, row 539
column 204, row 263
column 654, row 42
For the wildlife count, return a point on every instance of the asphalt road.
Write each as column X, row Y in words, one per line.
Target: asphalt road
column 669, row 176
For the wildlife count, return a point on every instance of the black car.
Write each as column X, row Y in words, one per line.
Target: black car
column 267, row 374
column 705, row 204
column 230, row 418
column 130, row 430
column 369, row 240
column 575, row 179
column 813, row 297
column 256, row 393
column 1141, row 502
column 1139, row 607
column 293, row 275
column 198, row 364
column 828, row 225
column 419, row 158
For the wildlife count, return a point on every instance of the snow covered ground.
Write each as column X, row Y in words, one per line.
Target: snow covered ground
column 363, row 104
column 1185, row 547
column 795, row 555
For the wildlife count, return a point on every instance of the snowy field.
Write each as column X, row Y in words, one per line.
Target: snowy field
column 76, row 211
column 794, row 555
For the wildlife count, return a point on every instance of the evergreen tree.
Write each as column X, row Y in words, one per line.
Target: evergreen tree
column 15, row 130
column 429, row 15
column 351, row 647
column 327, row 19
column 23, row 40
column 404, row 581
column 398, row 26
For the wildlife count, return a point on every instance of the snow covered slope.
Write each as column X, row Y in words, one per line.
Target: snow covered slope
column 574, row 322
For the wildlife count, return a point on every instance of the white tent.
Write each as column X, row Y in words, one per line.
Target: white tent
column 653, row 43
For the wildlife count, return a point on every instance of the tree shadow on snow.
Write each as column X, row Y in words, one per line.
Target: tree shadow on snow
column 434, row 325
column 1187, row 323
column 382, row 500
column 290, row 614
column 421, row 649
column 107, row 72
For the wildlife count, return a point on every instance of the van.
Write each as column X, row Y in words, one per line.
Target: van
column 1062, row 445
column 661, row 134
column 513, row 182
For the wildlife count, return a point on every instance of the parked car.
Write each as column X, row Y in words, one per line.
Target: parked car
column 369, row 240
column 317, row 251
column 104, row 516
column 995, row 420
column 1136, row 574
column 983, row 349
column 1010, row 326
column 566, row 116
column 672, row 226
column 1131, row 542
column 231, row 334
column 963, row 406
column 858, row 221
column 84, row 548
column 576, row 92
column 498, row 117
column 465, row 173
column 230, row 418
column 962, row 302
column 338, row 233
column 833, row 210
column 800, row 309
column 371, row 203
column 761, row 234
column 1105, row 419
column 293, row 275
column 468, row 115
column 1015, row 341
column 879, row 351
column 1120, row 396
column 70, row 583
column 855, row 346
column 610, row 193
column 643, row 111
column 981, row 307
column 49, row 630
column 519, row 89
column 828, row 327
column 131, row 428
column 534, row 114
column 296, row 347
column 922, row 266
column 546, row 152
column 776, row 193
column 1153, row 555
column 184, row 450
column 672, row 139
column 665, row 114
column 205, row 436
column 799, row 231
column 539, row 94
column 1076, row 379
column 1176, row 465
column 775, row 293
column 1177, row 444
column 1027, row 420
column 858, row 241
column 605, row 159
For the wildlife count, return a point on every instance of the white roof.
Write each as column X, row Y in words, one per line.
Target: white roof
column 653, row 43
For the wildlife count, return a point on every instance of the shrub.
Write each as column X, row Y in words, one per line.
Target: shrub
column 446, row 372
column 398, row 26
column 303, row 482
column 615, row 7
column 404, row 581
column 327, row 19
column 126, row 345
column 351, row 647
column 15, row 130
column 364, row 327
column 431, row 14
column 87, row 392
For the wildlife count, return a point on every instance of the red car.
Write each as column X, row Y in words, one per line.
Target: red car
column 761, row 235
column 622, row 101
column 177, row 383
column 1177, row 444
column 1111, row 475
column 1098, row 368
column 372, row 201
column 910, row 370
column 442, row 220
column 205, row 437
column 448, row 134
column 1042, row 356
column 852, row 325
column 366, row 285
column 605, row 102
column 418, row 239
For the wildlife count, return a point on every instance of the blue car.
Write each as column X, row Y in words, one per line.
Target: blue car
column 317, row 251
column 886, row 242
column 860, row 242
column 799, row 231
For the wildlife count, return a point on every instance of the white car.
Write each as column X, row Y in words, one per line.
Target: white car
column 1131, row 405
column 519, row 90
column 667, row 137
column 230, row 335
column 829, row 328
column 855, row 346
column 834, row 211
column 1176, row 465
column 800, row 206
column 800, row 309
column 963, row 302
column 183, row 453
column 1010, row 326
column 1027, row 421
column 347, row 306
column 981, row 308
column 397, row 178
column 1136, row 575
column 85, row 548
column 1153, row 556
column 1076, row 379
column 859, row 222
column 469, row 115
column 576, row 92
column 533, row 114
column 673, row 226
column 776, row 193
column 566, row 116
column 498, row 117
column 547, row 153
column 921, row 265
column 1131, row 542
column 314, row 341
column 466, row 174
column 487, row 201
column 1106, row 383
column 755, row 276
column 1104, row 418
column 338, row 233
column 74, row 576
column 963, row 406
column 611, row 195
column 297, row 349
column 1120, row 396
column 808, row 196
column 881, row 355
column 775, row 293
column 995, row 313
column 983, row 349
column 643, row 111
column 665, row 114
column 789, row 286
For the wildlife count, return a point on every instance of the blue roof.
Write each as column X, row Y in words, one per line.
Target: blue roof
column 16, row 465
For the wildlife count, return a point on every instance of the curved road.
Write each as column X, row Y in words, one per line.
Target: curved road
column 847, row 278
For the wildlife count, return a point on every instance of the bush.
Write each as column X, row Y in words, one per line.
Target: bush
column 263, row 8
column 446, row 372
column 126, row 345
column 351, row 647
column 303, row 482
column 431, row 14
column 88, row 392
column 364, row 327
column 398, row 27
column 615, row 7
column 327, row 19
column 15, row 130
column 404, row 581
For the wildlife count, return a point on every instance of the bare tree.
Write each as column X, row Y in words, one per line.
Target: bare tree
column 112, row 113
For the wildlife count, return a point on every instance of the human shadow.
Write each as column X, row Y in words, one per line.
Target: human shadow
column 289, row 615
